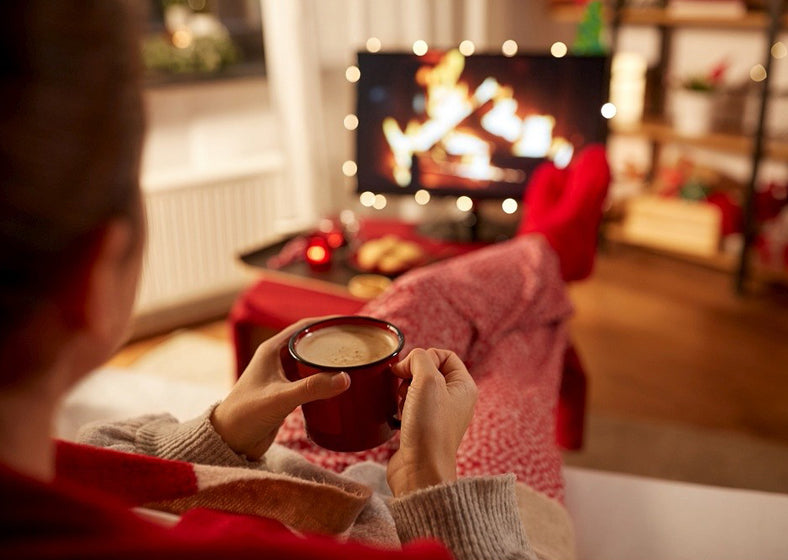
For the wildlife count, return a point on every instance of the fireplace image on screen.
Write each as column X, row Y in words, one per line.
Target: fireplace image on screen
column 475, row 126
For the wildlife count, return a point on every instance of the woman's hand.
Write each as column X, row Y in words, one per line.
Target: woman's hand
column 437, row 411
column 252, row 413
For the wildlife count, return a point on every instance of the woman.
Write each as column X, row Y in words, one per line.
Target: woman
column 71, row 238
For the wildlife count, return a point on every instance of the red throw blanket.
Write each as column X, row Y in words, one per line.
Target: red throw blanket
column 503, row 310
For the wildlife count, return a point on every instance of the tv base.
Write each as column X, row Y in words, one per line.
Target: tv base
column 473, row 228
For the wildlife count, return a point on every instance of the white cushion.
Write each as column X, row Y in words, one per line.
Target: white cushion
column 624, row 517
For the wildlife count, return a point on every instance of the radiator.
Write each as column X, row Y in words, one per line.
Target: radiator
column 196, row 232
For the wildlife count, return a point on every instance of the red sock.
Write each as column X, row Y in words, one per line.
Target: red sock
column 569, row 219
column 543, row 193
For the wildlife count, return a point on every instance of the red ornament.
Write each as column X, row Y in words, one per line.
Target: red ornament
column 335, row 239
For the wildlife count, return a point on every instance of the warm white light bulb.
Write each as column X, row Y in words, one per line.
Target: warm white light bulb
column 351, row 122
column 509, row 206
column 352, row 74
column 467, row 48
column 464, row 203
column 349, row 168
column 758, row 73
column 779, row 50
column 182, row 38
column 509, row 47
column 420, row 47
column 380, row 202
column 367, row 198
column 422, row 197
column 559, row 49
column 373, row 44
column 608, row 110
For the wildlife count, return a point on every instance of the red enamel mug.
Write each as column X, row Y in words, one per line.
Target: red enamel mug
column 366, row 348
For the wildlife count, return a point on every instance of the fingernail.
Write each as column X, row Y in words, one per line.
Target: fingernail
column 341, row 380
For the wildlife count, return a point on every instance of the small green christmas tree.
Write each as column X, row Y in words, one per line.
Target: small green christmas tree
column 589, row 38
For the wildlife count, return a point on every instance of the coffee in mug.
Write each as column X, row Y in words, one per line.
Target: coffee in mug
column 365, row 348
column 346, row 345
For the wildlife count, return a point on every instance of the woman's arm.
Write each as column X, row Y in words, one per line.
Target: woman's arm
column 235, row 432
column 162, row 435
column 477, row 518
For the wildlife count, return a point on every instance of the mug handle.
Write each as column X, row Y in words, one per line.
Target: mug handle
column 395, row 421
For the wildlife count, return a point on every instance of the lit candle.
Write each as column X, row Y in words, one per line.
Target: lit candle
column 318, row 252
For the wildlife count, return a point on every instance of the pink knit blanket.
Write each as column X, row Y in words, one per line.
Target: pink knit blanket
column 503, row 310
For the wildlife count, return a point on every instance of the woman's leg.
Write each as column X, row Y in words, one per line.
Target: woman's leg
column 502, row 309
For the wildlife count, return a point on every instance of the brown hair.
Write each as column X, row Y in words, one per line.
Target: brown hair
column 71, row 127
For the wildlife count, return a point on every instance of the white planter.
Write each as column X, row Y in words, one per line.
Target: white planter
column 693, row 112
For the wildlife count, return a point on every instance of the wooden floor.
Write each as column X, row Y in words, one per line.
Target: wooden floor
column 133, row 350
column 668, row 341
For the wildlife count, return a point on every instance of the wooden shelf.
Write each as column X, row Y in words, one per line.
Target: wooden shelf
column 723, row 262
column 658, row 16
column 679, row 242
column 726, row 142
column 661, row 17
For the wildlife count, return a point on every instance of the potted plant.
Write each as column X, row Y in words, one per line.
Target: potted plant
column 693, row 101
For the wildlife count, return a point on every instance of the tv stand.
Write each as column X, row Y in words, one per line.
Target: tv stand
column 474, row 227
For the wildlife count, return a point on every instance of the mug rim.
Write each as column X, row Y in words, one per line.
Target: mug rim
column 343, row 319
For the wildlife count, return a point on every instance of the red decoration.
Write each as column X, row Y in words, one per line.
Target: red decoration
column 318, row 252
column 770, row 201
column 335, row 239
column 730, row 210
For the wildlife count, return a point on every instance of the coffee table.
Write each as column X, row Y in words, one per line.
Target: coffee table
column 289, row 293
column 341, row 269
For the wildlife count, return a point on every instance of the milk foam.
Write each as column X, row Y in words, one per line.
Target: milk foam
column 346, row 345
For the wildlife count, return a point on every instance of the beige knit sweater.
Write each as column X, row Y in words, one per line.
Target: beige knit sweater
column 477, row 518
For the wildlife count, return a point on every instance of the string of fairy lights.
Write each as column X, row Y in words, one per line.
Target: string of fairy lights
column 420, row 47
column 467, row 47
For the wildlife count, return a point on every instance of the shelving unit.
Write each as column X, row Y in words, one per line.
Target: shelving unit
column 661, row 17
column 663, row 132
column 655, row 128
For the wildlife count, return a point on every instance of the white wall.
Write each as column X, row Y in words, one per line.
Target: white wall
column 205, row 128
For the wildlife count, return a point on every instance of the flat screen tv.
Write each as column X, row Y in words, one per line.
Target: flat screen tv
column 476, row 125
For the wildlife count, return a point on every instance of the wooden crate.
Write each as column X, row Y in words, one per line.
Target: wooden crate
column 673, row 224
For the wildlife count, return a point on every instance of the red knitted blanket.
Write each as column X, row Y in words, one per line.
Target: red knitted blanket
column 503, row 310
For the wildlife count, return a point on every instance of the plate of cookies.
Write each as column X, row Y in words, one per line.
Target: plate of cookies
column 389, row 255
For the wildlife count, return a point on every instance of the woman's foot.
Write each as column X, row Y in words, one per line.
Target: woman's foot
column 566, row 207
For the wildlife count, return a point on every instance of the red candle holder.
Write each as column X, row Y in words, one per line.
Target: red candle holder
column 318, row 252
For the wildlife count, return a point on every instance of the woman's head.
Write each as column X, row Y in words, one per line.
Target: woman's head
column 71, row 127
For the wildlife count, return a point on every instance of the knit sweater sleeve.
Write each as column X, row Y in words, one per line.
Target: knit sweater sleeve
column 477, row 518
column 162, row 435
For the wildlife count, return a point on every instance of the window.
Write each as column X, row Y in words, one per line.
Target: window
column 195, row 40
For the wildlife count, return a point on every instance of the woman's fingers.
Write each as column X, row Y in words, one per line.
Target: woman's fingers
column 313, row 388
column 422, row 360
